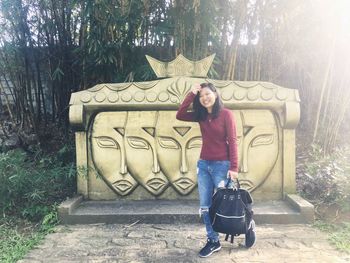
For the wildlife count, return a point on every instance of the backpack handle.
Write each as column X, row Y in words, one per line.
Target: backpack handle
column 229, row 180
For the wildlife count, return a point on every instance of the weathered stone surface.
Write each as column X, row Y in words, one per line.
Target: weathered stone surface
column 181, row 243
column 168, row 211
column 119, row 124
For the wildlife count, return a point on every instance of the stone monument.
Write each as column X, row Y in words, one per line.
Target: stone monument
column 130, row 146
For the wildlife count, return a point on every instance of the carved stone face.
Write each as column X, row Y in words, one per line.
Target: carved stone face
column 157, row 149
column 108, row 151
column 258, row 146
column 178, row 147
column 141, row 153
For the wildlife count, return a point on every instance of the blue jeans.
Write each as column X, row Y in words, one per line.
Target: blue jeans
column 211, row 175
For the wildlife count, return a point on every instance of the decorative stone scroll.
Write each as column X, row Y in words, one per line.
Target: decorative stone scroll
column 133, row 147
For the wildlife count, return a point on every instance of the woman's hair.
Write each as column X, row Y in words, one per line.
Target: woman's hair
column 200, row 112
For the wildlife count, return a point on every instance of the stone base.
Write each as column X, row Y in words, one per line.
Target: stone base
column 292, row 210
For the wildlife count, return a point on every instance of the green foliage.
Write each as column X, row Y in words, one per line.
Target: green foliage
column 15, row 245
column 30, row 185
column 17, row 236
column 50, row 220
column 341, row 238
column 339, row 235
column 326, row 178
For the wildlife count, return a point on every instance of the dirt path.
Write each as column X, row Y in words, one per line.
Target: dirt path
column 181, row 243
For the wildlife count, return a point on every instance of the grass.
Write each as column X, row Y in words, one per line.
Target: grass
column 339, row 234
column 17, row 237
column 31, row 187
column 324, row 180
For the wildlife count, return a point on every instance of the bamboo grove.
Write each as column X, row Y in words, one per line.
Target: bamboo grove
column 51, row 48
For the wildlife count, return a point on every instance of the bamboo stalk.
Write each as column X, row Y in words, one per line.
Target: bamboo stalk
column 324, row 85
column 2, row 89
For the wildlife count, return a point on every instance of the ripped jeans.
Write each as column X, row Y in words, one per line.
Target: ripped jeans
column 211, row 175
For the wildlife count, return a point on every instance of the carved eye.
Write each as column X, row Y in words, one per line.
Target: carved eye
column 106, row 142
column 195, row 143
column 263, row 139
column 138, row 143
column 168, row 143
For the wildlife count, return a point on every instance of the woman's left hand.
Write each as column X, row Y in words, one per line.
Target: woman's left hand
column 232, row 174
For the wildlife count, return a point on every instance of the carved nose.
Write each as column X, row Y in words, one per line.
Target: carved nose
column 244, row 169
column 123, row 169
column 156, row 168
column 244, row 165
column 183, row 168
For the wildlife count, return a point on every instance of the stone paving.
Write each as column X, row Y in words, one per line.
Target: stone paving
column 180, row 243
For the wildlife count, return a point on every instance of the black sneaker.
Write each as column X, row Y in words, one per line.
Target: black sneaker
column 209, row 248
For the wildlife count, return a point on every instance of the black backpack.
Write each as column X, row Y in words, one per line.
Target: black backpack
column 231, row 213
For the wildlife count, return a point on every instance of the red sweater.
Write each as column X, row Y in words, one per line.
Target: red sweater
column 218, row 135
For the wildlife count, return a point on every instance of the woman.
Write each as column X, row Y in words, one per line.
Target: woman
column 218, row 158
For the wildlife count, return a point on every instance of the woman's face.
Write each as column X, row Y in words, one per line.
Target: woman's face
column 207, row 98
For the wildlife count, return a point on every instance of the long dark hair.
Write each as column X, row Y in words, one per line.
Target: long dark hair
column 200, row 112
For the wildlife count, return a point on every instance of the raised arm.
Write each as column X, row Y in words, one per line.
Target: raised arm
column 182, row 113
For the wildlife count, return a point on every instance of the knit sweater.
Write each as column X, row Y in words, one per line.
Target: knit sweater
column 218, row 134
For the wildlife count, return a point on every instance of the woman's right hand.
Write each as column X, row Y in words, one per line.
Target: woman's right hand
column 196, row 88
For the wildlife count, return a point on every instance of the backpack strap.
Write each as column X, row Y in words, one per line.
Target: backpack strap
column 228, row 182
column 237, row 182
column 232, row 238
column 226, row 237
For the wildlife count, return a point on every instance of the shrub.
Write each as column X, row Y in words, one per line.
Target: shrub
column 18, row 236
column 326, row 179
column 31, row 183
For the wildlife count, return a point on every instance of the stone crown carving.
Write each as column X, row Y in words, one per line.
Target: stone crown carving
column 181, row 66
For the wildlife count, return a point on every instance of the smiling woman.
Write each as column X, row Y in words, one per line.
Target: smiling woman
column 218, row 158
column 207, row 98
